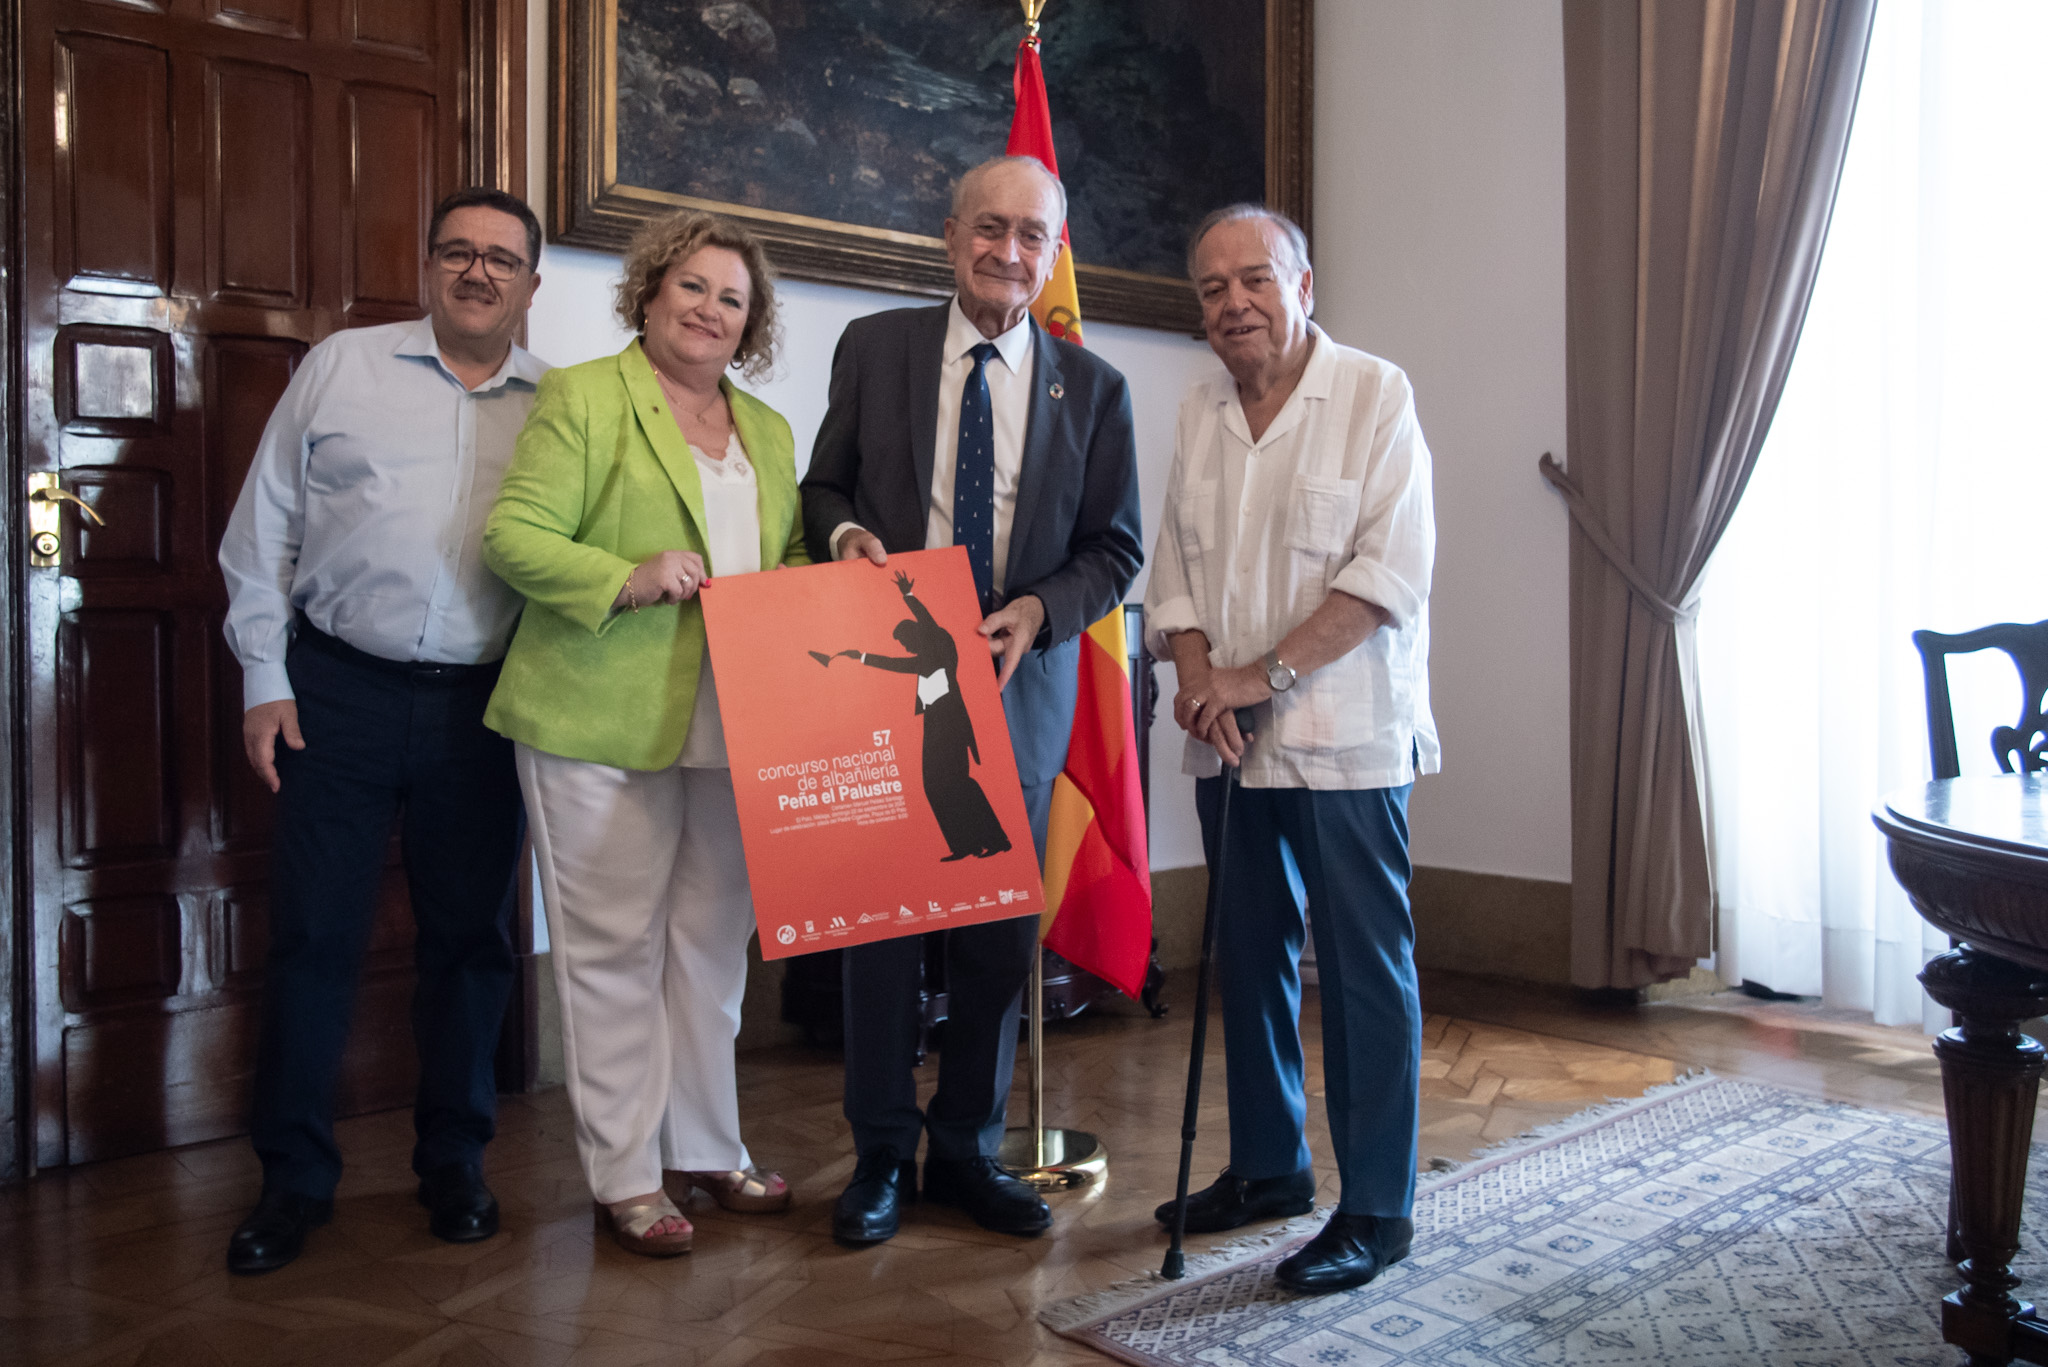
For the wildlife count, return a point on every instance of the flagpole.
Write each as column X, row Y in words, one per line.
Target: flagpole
column 1048, row 1159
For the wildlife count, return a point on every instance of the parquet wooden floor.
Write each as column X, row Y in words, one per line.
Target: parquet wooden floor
column 121, row 1262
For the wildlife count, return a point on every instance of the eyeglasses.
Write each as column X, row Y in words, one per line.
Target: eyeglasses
column 455, row 259
column 1030, row 240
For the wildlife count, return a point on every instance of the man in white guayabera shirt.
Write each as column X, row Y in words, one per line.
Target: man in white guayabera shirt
column 369, row 634
column 1291, row 576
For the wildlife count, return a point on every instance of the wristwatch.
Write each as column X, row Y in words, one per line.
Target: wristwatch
column 1280, row 675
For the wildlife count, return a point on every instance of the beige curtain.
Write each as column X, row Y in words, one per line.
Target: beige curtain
column 1704, row 140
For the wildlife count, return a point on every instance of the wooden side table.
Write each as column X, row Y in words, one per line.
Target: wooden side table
column 1972, row 853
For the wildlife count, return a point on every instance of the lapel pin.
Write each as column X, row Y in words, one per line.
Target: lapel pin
column 1057, row 391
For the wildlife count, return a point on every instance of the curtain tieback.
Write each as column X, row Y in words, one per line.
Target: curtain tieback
column 1589, row 523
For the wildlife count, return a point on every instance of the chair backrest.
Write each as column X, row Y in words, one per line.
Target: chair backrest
column 2026, row 743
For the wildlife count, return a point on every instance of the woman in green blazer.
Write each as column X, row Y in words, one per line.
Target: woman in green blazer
column 635, row 479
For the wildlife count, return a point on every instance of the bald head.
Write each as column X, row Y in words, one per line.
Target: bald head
column 1003, row 239
column 969, row 188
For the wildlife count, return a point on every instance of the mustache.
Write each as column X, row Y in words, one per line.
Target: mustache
column 469, row 289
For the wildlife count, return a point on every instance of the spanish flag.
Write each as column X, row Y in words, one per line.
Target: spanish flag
column 1098, row 879
column 1058, row 306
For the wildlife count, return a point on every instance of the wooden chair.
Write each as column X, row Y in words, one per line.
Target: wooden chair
column 2025, row 744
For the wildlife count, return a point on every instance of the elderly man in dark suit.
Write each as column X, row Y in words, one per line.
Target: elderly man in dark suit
column 967, row 424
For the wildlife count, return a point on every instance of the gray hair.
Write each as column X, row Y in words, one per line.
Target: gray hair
column 975, row 175
column 1293, row 241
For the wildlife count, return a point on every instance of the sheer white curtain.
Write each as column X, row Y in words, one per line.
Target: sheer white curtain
column 1902, row 486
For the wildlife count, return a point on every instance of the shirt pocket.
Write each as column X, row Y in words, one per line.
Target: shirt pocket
column 1196, row 521
column 1322, row 514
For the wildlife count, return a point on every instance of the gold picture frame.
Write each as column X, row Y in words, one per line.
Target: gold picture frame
column 590, row 206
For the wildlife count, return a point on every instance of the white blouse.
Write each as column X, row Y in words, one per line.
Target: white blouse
column 732, row 520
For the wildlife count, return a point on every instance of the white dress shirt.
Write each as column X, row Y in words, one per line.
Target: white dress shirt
column 1009, row 393
column 364, row 507
column 732, row 535
column 1334, row 496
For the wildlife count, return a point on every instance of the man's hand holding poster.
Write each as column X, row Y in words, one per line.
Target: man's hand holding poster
column 877, row 793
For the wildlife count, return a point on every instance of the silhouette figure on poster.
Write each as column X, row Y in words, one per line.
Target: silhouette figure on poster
column 965, row 818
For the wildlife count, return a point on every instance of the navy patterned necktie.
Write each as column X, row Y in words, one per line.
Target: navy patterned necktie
column 974, row 477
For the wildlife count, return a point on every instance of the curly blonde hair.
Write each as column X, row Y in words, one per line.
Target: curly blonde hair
column 666, row 241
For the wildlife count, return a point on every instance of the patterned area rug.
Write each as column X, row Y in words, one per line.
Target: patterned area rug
column 1709, row 1224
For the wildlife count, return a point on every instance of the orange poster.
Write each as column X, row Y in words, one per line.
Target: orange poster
column 877, row 793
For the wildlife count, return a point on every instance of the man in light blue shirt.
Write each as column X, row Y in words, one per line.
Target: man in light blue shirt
column 370, row 634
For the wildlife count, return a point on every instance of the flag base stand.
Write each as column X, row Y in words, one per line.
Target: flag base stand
column 1055, row 1159
column 1068, row 1158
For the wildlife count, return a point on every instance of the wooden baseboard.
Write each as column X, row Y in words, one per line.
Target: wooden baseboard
column 1485, row 923
column 1489, row 924
column 1496, row 925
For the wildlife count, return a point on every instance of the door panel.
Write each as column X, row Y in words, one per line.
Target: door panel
column 403, row 28
column 211, row 186
column 112, row 124
column 113, row 381
column 390, row 201
column 120, row 949
column 114, row 691
column 137, row 507
column 259, row 154
column 282, row 18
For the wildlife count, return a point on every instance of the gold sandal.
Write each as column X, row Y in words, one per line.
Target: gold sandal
column 631, row 1224
column 747, row 1190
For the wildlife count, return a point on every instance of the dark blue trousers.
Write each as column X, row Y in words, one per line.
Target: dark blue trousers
column 986, row 969
column 381, row 740
column 1341, row 857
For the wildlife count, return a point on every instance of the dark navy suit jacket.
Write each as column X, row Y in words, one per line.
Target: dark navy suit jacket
column 1075, row 538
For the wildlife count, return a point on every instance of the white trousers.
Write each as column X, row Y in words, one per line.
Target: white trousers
column 645, row 885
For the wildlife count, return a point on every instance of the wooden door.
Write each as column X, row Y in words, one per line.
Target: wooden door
column 211, row 186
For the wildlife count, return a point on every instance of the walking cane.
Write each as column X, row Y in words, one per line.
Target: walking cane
column 1175, row 1266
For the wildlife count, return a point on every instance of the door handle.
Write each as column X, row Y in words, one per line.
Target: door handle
column 46, row 500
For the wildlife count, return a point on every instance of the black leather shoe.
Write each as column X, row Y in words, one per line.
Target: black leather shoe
column 1349, row 1251
column 275, row 1231
column 883, row 1182
column 987, row 1191
column 460, row 1208
column 1231, row 1201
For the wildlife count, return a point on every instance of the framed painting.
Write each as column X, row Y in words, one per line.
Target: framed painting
column 834, row 129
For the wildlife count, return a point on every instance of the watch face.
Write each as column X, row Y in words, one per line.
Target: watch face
column 1279, row 677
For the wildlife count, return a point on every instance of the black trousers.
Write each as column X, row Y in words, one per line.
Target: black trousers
column 986, row 968
column 384, row 739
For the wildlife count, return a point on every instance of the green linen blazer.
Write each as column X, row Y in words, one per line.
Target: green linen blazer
column 601, row 479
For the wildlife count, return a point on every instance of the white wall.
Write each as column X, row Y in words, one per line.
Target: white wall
column 1439, row 244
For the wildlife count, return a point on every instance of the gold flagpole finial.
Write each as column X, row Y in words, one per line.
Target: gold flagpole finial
column 1032, row 9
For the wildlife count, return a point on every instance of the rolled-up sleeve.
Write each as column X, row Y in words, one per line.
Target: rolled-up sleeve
column 1394, row 543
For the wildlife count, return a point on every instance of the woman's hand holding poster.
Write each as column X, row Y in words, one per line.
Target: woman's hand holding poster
column 877, row 793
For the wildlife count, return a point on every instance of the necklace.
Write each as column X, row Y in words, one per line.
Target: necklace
column 676, row 394
column 712, row 439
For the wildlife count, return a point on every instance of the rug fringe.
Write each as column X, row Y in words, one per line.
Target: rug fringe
column 1095, row 1305
column 1071, row 1314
